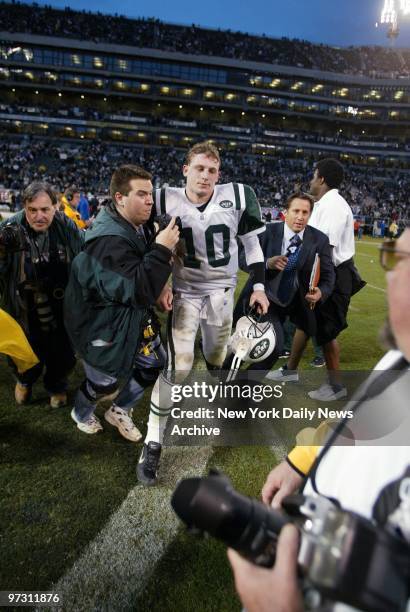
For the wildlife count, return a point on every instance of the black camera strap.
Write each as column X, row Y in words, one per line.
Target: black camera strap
column 378, row 386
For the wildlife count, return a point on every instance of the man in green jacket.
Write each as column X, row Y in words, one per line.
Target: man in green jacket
column 37, row 246
column 114, row 283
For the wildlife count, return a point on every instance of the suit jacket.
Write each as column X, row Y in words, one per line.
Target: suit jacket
column 314, row 241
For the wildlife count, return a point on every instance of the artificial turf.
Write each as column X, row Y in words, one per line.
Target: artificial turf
column 59, row 486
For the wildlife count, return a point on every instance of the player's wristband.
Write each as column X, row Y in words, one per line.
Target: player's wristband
column 258, row 272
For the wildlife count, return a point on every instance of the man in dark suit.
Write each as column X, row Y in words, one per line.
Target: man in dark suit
column 289, row 249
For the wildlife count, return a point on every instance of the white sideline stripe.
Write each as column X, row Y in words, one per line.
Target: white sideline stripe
column 279, row 448
column 365, row 255
column 115, row 567
column 376, row 244
column 353, row 308
column 374, row 287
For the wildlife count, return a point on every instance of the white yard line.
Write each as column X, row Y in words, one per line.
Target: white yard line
column 279, row 448
column 365, row 255
column 374, row 287
column 376, row 244
column 115, row 567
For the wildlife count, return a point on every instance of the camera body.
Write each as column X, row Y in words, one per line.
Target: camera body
column 342, row 557
column 164, row 220
column 13, row 238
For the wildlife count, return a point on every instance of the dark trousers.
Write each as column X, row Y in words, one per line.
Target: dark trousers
column 56, row 357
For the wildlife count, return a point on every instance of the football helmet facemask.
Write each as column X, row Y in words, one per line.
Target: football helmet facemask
column 252, row 341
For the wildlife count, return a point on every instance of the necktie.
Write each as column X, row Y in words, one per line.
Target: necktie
column 287, row 281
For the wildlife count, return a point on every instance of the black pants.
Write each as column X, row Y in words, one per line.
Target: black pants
column 56, row 356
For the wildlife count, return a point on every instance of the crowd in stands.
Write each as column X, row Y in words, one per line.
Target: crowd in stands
column 89, row 164
column 169, row 120
column 152, row 33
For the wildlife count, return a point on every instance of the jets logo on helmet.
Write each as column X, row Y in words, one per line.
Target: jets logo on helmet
column 252, row 341
column 260, row 350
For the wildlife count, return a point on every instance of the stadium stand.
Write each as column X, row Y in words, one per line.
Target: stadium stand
column 154, row 34
column 82, row 92
column 89, row 165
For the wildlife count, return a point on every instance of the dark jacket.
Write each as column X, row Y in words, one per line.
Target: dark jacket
column 314, row 241
column 113, row 283
column 64, row 237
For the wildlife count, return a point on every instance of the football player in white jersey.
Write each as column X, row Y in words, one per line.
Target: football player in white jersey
column 204, row 280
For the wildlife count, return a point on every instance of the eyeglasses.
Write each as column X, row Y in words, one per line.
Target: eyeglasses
column 390, row 256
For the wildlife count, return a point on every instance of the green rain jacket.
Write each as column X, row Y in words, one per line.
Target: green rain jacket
column 113, row 283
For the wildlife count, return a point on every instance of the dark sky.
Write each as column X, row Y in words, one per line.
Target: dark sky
column 335, row 22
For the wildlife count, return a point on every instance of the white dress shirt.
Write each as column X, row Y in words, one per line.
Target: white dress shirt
column 333, row 216
column 287, row 236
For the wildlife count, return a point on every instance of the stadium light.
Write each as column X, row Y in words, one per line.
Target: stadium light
column 391, row 12
column 405, row 7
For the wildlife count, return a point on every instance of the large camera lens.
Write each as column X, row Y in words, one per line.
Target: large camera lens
column 211, row 505
column 12, row 238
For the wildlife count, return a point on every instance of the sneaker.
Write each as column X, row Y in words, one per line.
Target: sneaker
column 58, row 400
column 122, row 420
column 283, row 375
column 148, row 463
column 327, row 393
column 22, row 393
column 91, row 426
column 317, row 362
column 284, row 355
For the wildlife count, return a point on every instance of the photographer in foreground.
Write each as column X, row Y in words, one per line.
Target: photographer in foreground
column 37, row 246
column 364, row 479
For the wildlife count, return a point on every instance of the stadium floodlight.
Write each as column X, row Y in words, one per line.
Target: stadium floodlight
column 389, row 13
column 405, row 7
column 392, row 11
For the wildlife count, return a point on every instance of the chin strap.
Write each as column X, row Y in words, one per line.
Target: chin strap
column 242, row 347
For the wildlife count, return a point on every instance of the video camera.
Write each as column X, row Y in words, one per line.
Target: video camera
column 13, row 238
column 164, row 220
column 343, row 557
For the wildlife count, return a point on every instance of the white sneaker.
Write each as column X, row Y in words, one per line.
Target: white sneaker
column 121, row 419
column 91, row 426
column 283, row 375
column 326, row 393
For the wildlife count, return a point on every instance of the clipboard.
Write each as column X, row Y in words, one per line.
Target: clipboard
column 314, row 276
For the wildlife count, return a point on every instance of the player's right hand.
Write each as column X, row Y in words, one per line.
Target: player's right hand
column 164, row 302
column 169, row 236
column 278, row 262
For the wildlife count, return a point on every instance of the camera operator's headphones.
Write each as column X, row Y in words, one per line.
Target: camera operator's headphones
column 69, row 194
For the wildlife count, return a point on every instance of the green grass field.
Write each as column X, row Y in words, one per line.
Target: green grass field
column 60, row 488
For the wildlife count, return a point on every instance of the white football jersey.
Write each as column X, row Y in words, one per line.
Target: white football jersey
column 211, row 260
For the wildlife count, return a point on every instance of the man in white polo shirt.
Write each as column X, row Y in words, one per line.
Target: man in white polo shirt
column 333, row 216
